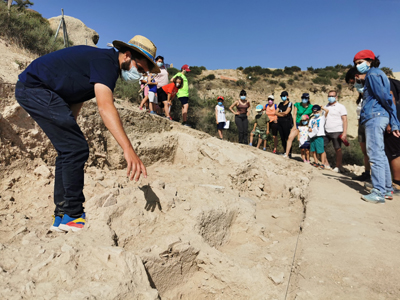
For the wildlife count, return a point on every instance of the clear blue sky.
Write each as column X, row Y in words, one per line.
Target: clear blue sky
column 228, row 34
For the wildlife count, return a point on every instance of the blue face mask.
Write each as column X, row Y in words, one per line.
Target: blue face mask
column 359, row 87
column 243, row 97
column 160, row 64
column 220, row 103
column 284, row 98
column 130, row 75
column 331, row 99
column 363, row 68
column 304, row 122
column 316, row 115
column 304, row 100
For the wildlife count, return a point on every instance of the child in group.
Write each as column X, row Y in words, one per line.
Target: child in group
column 261, row 127
column 167, row 94
column 304, row 139
column 145, row 89
column 220, row 116
column 316, row 133
column 152, row 95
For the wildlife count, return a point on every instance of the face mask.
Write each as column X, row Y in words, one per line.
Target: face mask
column 284, row 98
column 243, row 97
column 316, row 115
column 304, row 101
column 359, row 87
column 363, row 68
column 304, row 122
column 259, row 112
column 130, row 75
column 220, row 103
column 270, row 102
column 331, row 99
column 177, row 84
column 160, row 64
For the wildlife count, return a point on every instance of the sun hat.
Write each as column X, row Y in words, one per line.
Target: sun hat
column 305, row 95
column 316, row 107
column 364, row 54
column 305, row 117
column 143, row 46
column 186, row 68
column 259, row 107
column 220, row 97
column 271, row 97
column 284, row 93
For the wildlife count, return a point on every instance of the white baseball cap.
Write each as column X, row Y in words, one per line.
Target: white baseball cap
column 271, row 97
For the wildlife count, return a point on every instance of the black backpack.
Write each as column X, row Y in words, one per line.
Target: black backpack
column 395, row 88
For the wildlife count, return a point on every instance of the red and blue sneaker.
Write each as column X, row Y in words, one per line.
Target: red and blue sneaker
column 56, row 223
column 72, row 224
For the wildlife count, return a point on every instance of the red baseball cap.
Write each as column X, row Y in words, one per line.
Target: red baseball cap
column 186, row 68
column 364, row 54
column 220, row 97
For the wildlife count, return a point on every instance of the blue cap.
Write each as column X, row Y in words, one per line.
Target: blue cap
column 259, row 107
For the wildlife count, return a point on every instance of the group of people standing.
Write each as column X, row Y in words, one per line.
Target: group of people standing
column 159, row 92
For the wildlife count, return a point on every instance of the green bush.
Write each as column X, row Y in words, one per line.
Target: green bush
column 172, row 72
column 310, row 69
column 339, row 87
column 282, row 84
column 387, row 71
column 296, row 78
column 278, row 72
column 241, row 83
column 351, row 155
column 127, row 90
column 209, row 77
column 291, row 70
column 321, row 80
column 291, row 81
column 240, row 68
column 273, row 82
column 27, row 29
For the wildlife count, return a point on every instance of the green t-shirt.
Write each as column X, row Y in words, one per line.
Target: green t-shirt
column 302, row 111
column 184, row 91
column 262, row 121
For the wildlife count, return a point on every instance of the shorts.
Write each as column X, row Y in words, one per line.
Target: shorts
column 220, row 125
column 317, row 144
column 184, row 100
column 273, row 127
column 306, row 145
column 361, row 133
column 392, row 146
column 260, row 133
column 153, row 97
column 334, row 137
column 162, row 96
column 297, row 125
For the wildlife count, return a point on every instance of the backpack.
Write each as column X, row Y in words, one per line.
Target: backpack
column 395, row 88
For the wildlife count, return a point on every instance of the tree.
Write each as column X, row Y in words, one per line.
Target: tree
column 21, row 4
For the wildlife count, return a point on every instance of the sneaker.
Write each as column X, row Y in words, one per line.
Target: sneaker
column 285, row 156
column 363, row 177
column 374, row 197
column 153, row 112
column 73, row 224
column 274, row 151
column 337, row 170
column 56, row 223
column 264, row 149
column 141, row 108
column 389, row 195
column 396, row 189
column 169, row 118
column 368, row 186
column 250, row 144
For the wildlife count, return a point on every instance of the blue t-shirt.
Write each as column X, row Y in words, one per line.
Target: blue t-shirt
column 72, row 72
column 153, row 87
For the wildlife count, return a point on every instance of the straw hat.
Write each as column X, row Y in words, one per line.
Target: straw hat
column 143, row 46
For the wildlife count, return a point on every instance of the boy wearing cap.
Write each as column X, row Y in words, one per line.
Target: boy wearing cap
column 316, row 134
column 183, row 93
column 220, row 116
column 261, row 127
column 52, row 90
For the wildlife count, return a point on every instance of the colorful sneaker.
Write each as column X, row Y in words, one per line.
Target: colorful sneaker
column 73, row 224
column 153, row 113
column 368, row 186
column 264, row 149
column 389, row 195
column 56, row 223
column 374, row 197
column 250, row 144
column 274, row 151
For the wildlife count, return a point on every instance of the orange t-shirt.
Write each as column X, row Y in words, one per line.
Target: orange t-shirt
column 170, row 89
column 270, row 111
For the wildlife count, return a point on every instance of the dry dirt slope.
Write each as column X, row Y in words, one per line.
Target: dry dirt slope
column 214, row 220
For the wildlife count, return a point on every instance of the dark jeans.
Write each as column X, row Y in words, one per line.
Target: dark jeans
column 54, row 116
column 284, row 128
column 242, row 124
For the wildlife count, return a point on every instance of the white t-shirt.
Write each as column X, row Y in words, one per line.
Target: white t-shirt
column 303, row 132
column 220, row 113
column 334, row 122
column 358, row 109
column 317, row 125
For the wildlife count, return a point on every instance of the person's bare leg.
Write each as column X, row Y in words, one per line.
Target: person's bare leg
column 220, row 133
column 151, row 106
column 338, row 158
column 185, row 109
column 291, row 137
column 166, row 108
column 143, row 101
column 259, row 143
column 251, row 137
column 275, row 142
column 302, row 155
column 265, row 144
column 315, row 157
column 308, row 155
column 323, row 157
column 395, row 167
column 366, row 158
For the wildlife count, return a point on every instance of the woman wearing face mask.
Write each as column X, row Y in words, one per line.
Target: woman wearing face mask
column 167, row 94
column 270, row 110
column 285, row 120
column 300, row 109
column 377, row 114
column 241, row 114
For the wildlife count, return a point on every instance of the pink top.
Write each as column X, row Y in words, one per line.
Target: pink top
column 162, row 78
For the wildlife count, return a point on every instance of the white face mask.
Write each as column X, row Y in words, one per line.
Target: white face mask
column 178, row 84
column 130, row 75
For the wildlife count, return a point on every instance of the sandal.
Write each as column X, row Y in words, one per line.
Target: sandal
column 314, row 164
column 322, row 167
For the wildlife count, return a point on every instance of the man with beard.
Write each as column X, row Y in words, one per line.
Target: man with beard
column 52, row 90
